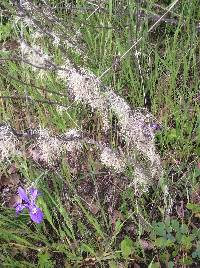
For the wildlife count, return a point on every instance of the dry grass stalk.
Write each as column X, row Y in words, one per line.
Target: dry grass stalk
column 135, row 124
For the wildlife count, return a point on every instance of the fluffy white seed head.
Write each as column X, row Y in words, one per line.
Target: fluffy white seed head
column 111, row 160
column 8, row 143
column 48, row 148
column 34, row 55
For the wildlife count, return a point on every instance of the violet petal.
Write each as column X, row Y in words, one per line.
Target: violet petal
column 19, row 208
column 23, row 195
column 155, row 126
column 36, row 214
column 33, row 194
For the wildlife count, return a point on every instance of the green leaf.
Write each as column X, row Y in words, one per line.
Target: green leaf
column 196, row 253
column 175, row 225
column 196, row 172
column 154, row 265
column 186, row 261
column 112, row 264
column 196, row 234
column 126, row 247
column 159, row 228
column 184, row 229
column 186, row 241
column 170, row 264
column 118, row 226
column 47, row 214
column 87, row 248
column 194, row 207
column 162, row 242
column 172, row 134
column 92, row 220
column 44, row 260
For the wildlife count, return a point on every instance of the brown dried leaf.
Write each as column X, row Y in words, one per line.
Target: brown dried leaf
column 146, row 245
column 180, row 210
column 11, row 180
column 117, row 215
column 15, row 177
column 199, row 165
column 136, row 265
column 196, row 196
column 10, row 45
column 91, row 205
column 15, row 199
column 12, row 169
column 4, row 181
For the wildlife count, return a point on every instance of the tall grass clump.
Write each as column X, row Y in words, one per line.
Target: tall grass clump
column 99, row 133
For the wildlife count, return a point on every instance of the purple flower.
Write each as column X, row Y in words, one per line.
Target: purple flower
column 29, row 203
column 155, row 126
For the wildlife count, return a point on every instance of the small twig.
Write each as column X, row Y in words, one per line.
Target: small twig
column 30, row 85
column 166, row 20
column 33, row 100
column 33, row 133
column 51, row 66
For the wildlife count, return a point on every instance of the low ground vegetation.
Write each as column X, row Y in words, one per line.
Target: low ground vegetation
column 99, row 134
